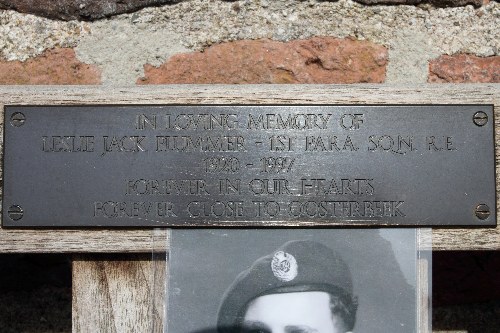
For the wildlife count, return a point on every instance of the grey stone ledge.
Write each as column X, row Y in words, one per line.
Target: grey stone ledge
column 91, row 10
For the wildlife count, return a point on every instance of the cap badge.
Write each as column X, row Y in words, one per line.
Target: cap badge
column 284, row 266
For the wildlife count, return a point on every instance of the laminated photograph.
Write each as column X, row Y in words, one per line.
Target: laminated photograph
column 293, row 281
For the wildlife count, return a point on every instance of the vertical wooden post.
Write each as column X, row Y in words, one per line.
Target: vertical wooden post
column 119, row 293
column 423, row 296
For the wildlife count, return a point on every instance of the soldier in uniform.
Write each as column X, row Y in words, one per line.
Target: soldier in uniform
column 302, row 287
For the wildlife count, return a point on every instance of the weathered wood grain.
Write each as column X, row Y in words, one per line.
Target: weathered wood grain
column 93, row 240
column 73, row 241
column 118, row 293
column 423, row 298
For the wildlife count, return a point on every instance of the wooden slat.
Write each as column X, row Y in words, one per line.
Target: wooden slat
column 118, row 293
column 83, row 241
column 423, row 297
column 141, row 240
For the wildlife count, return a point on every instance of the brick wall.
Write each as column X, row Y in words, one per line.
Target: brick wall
column 159, row 41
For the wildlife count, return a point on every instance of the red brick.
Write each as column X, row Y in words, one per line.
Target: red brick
column 55, row 66
column 315, row 60
column 465, row 68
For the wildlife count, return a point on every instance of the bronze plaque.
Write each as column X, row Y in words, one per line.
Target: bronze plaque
column 228, row 165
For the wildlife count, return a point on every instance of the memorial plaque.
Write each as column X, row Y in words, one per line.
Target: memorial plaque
column 228, row 165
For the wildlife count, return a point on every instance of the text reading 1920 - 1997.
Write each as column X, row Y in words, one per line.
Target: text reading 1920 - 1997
column 248, row 165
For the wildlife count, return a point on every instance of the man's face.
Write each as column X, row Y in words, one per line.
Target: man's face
column 300, row 312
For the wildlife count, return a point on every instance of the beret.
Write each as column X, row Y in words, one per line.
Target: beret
column 301, row 265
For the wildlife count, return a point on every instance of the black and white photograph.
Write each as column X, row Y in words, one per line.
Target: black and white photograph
column 292, row 281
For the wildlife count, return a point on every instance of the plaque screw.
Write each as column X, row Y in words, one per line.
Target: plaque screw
column 17, row 119
column 16, row 212
column 482, row 211
column 480, row 118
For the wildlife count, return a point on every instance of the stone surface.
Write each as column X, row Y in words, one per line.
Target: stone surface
column 120, row 49
column 56, row 66
column 78, row 10
column 457, row 3
column 316, row 60
column 25, row 36
column 98, row 9
column 464, row 68
column 439, row 3
column 390, row 2
column 409, row 61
